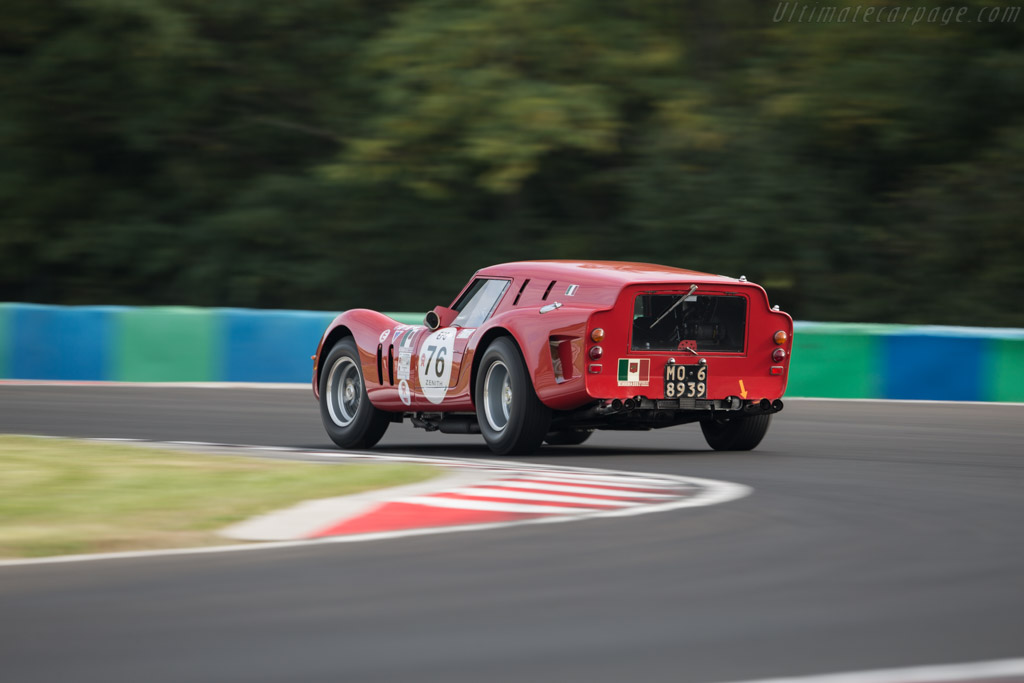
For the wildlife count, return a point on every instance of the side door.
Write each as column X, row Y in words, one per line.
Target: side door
column 440, row 353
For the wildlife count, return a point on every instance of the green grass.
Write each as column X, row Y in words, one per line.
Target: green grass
column 60, row 497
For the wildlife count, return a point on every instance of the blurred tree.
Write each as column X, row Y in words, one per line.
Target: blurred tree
column 133, row 131
column 959, row 231
column 328, row 154
column 483, row 93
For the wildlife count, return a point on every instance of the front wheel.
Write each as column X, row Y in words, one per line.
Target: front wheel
column 512, row 419
column 739, row 433
column 348, row 416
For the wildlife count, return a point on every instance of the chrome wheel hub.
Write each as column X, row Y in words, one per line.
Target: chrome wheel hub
column 497, row 398
column 344, row 391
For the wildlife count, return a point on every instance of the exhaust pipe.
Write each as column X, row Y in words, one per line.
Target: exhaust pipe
column 763, row 406
column 616, row 405
column 609, row 408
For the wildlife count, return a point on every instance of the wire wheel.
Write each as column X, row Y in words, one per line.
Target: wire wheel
column 512, row 419
column 349, row 417
column 344, row 391
column 497, row 396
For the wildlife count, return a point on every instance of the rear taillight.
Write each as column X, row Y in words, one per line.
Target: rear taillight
column 597, row 335
column 596, row 352
column 781, row 337
column 778, row 355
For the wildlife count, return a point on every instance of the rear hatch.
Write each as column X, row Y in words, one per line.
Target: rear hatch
column 674, row 321
column 691, row 341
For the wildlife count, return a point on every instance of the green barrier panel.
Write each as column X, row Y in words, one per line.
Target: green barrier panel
column 1006, row 370
column 5, row 340
column 167, row 344
column 408, row 318
column 831, row 361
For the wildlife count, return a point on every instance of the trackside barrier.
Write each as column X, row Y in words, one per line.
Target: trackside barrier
column 920, row 362
column 184, row 344
column 5, row 340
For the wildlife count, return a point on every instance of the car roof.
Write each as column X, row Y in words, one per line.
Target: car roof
column 599, row 272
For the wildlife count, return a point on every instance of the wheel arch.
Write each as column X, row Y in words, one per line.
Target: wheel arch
column 485, row 341
column 532, row 336
column 335, row 335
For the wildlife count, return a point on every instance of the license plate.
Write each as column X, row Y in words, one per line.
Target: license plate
column 686, row 381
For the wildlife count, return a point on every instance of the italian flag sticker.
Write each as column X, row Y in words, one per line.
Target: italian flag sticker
column 634, row 372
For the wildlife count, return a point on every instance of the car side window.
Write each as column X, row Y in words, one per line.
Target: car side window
column 479, row 301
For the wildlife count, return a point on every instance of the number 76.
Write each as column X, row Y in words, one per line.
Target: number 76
column 432, row 350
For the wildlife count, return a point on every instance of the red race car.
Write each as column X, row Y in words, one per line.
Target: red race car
column 540, row 351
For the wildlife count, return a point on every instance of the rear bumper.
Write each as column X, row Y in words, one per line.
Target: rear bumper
column 646, row 413
column 730, row 404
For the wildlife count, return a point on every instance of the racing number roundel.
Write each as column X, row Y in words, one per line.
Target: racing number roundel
column 435, row 364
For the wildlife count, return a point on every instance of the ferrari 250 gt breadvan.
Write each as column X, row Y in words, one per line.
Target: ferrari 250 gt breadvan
column 549, row 351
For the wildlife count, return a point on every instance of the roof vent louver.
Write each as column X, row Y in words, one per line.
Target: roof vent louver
column 521, row 290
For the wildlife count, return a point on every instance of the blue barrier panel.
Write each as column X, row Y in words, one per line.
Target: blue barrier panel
column 270, row 346
column 929, row 367
column 5, row 340
column 58, row 342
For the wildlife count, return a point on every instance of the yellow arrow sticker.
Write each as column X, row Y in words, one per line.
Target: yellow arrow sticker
column 743, row 390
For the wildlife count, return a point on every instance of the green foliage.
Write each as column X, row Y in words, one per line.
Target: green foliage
column 329, row 154
column 483, row 93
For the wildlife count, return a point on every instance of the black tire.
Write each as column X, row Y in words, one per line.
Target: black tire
column 568, row 437
column 348, row 416
column 739, row 433
column 512, row 419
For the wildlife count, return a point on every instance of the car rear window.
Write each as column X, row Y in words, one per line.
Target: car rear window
column 672, row 321
column 476, row 305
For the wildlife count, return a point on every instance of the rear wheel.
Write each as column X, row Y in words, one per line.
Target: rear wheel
column 348, row 416
column 512, row 419
column 568, row 437
column 739, row 433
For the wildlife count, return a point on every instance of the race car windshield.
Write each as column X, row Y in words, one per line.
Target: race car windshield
column 702, row 322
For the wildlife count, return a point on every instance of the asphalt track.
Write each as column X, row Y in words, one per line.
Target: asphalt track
column 878, row 535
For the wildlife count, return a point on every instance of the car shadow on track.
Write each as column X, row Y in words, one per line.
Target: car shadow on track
column 481, row 452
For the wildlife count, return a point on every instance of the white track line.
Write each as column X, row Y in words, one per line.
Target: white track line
column 583, row 479
column 509, row 494
column 492, row 506
column 972, row 671
column 580, row 490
